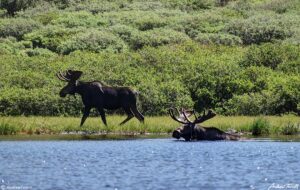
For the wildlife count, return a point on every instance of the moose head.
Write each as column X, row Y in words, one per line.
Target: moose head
column 188, row 126
column 71, row 77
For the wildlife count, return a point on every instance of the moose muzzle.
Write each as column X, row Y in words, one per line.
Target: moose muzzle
column 176, row 134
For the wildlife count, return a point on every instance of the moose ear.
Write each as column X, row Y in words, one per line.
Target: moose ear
column 74, row 75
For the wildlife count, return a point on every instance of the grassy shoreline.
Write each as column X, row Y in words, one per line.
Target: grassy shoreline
column 155, row 126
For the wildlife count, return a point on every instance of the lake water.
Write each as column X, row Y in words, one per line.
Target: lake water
column 149, row 164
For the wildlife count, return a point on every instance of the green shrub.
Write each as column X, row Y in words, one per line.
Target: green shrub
column 241, row 6
column 279, row 6
column 3, row 12
column 142, row 20
column 252, row 104
column 51, row 37
column 143, row 5
column 95, row 7
column 156, row 99
column 13, row 6
column 270, row 55
column 47, row 17
column 220, row 39
column 295, row 38
column 78, row 19
column 246, row 104
column 213, row 83
column 290, row 67
column 10, row 46
column 17, row 27
column 222, row 2
column 27, row 80
column 123, row 31
column 157, row 37
column 150, row 21
column 194, row 24
column 36, row 102
column 191, row 5
column 287, row 90
column 260, row 126
column 268, row 93
column 259, row 29
column 43, row 12
column 95, row 41
column 40, row 52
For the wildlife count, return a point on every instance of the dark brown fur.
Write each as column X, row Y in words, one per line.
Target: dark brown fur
column 203, row 133
column 96, row 95
column 191, row 131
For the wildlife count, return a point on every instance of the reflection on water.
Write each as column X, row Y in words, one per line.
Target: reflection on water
column 148, row 164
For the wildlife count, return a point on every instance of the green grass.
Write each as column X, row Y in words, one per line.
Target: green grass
column 285, row 125
column 275, row 125
column 57, row 125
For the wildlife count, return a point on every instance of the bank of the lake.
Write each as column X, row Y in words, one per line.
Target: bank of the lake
column 160, row 126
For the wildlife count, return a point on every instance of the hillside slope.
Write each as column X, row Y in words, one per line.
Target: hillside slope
column 240, row 57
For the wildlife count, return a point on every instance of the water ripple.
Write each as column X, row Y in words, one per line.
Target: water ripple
column 148, row 164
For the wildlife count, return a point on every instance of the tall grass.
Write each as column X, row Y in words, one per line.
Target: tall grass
column 266, row 125
column 290, row 128
column 57, row 125
column 273, row 125
column 260, row 126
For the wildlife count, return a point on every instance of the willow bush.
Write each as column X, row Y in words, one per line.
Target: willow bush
column 17, row 27
column 259, row 29
column 95, row 41
column 217, row 38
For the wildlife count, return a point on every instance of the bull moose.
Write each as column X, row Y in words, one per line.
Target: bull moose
column 95, row 94
column 191, row 131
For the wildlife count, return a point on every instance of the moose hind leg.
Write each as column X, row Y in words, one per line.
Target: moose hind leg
column 86, row 113
column 137, row 114
column 102, row 114
column 129, row 116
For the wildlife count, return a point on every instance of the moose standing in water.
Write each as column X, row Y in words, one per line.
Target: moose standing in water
column 191, row 131
column 96, row 95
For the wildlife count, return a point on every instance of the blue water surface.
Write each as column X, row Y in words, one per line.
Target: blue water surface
column 148, row 164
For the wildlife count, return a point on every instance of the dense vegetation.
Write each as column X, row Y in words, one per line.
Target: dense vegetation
column 238, row 57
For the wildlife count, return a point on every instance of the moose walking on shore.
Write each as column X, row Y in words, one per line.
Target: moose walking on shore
column 96, row 95
column 191, row 131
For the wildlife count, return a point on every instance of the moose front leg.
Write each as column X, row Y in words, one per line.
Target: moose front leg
column 86, row 113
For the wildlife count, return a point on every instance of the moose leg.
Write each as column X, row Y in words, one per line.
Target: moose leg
column 102, row 114
column 129, row 115
column 86, row 113
column 137, row 114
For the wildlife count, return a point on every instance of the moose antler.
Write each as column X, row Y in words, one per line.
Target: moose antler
column 69, row 75
column 205, row 117
column 62, row 76
column 186, row 117
column 186, row 114
column 171, row 113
